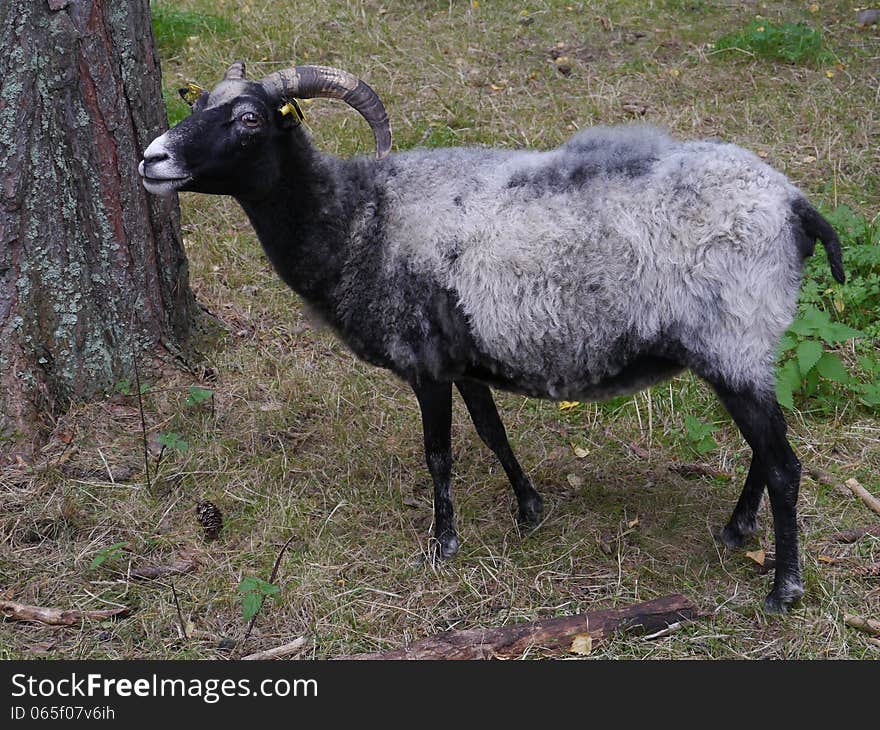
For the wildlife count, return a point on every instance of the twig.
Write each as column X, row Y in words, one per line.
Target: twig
column 140, row 399
column 868, row 625
column 153, row 572
column 183, row 632
column 277, row 652
column 671, row 629
column 829, row 480
column 857, row 533
column 272, row 581
column 56, row 616
column 871, row 502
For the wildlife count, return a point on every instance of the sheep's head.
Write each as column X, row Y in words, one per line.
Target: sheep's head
column 229, row 144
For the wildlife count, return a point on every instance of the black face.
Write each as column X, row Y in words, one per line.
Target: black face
column 229, row 145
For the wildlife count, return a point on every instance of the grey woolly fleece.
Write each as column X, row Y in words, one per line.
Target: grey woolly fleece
column 582, row 272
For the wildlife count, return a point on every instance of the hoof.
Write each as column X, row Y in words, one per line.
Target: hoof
column 530, row 511
column 447, row 545
column 734, row 536
column 781, row 598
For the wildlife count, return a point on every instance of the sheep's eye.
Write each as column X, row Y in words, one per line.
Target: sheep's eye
column 249, row 119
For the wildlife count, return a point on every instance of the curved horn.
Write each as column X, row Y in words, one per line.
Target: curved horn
column 307, row 82
column 235, row 72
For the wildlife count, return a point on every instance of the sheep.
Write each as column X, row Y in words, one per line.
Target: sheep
column 599, row 268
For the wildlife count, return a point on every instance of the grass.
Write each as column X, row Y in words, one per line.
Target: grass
column 792, row 42
column 302, row 440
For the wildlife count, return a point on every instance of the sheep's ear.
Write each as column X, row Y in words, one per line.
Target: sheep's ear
column 291, row 114
column 191, row 93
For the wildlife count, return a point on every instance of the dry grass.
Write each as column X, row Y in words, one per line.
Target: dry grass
column 306, row 441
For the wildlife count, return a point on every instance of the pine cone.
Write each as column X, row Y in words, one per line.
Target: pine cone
column 210, row 518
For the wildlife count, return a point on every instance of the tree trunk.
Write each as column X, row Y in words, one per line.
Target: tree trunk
column 91, row 267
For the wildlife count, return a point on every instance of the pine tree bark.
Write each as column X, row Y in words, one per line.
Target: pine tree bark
column 92, row 268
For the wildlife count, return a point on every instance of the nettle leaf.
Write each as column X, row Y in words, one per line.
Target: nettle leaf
column 172, row 440
column 254, row 591
column 808, row 354
column 870, row 394
column 786, row 343
column 197, row 395
column 699, row 434
column 705, row 445
column 834, row 332
column 869, row 364
column 810, row 322
column 784, row 395
column 831, row 368
column 105, row 554
column 788, row 380
column 250, row 605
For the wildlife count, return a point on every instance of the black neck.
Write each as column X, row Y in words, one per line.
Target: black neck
column 303, row 223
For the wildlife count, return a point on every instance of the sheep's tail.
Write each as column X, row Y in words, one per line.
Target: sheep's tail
column 814, row 227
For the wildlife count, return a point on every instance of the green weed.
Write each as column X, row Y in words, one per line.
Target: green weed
column 173, row 26
column 791, row 42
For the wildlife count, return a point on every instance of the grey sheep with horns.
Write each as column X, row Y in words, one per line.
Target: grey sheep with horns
column 595, row 269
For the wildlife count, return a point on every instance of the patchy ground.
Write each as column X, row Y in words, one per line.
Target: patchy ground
column 299, row 440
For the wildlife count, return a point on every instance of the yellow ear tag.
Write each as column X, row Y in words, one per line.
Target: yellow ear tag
column 291, row 107
column 193, row 92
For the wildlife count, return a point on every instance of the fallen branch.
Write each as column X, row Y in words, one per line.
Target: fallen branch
column 820, row 476
column 554, row 633
column 287, row 649
column 856, row 534
column 871, row 502
column 56, row 616
column 868, row 625
column 154, row 572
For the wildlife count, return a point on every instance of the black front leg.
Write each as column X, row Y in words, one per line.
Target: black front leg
column 435, row 401
column 744, row 521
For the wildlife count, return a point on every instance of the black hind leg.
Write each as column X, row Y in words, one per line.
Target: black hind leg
column 763, row 426
column 435, row 401
column 484, row 414
column 743, row 522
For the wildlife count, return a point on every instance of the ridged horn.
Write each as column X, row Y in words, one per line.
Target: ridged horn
column 235, row 72
column 308, row 82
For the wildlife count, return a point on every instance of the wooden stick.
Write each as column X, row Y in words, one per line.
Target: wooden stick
column 56, row 616
column 153, row 572
column 869, row 499
column 868, row 625
column 857, row 533
column 554, row 633
column 140, row 400
column 292, row 647
column 828, row 479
